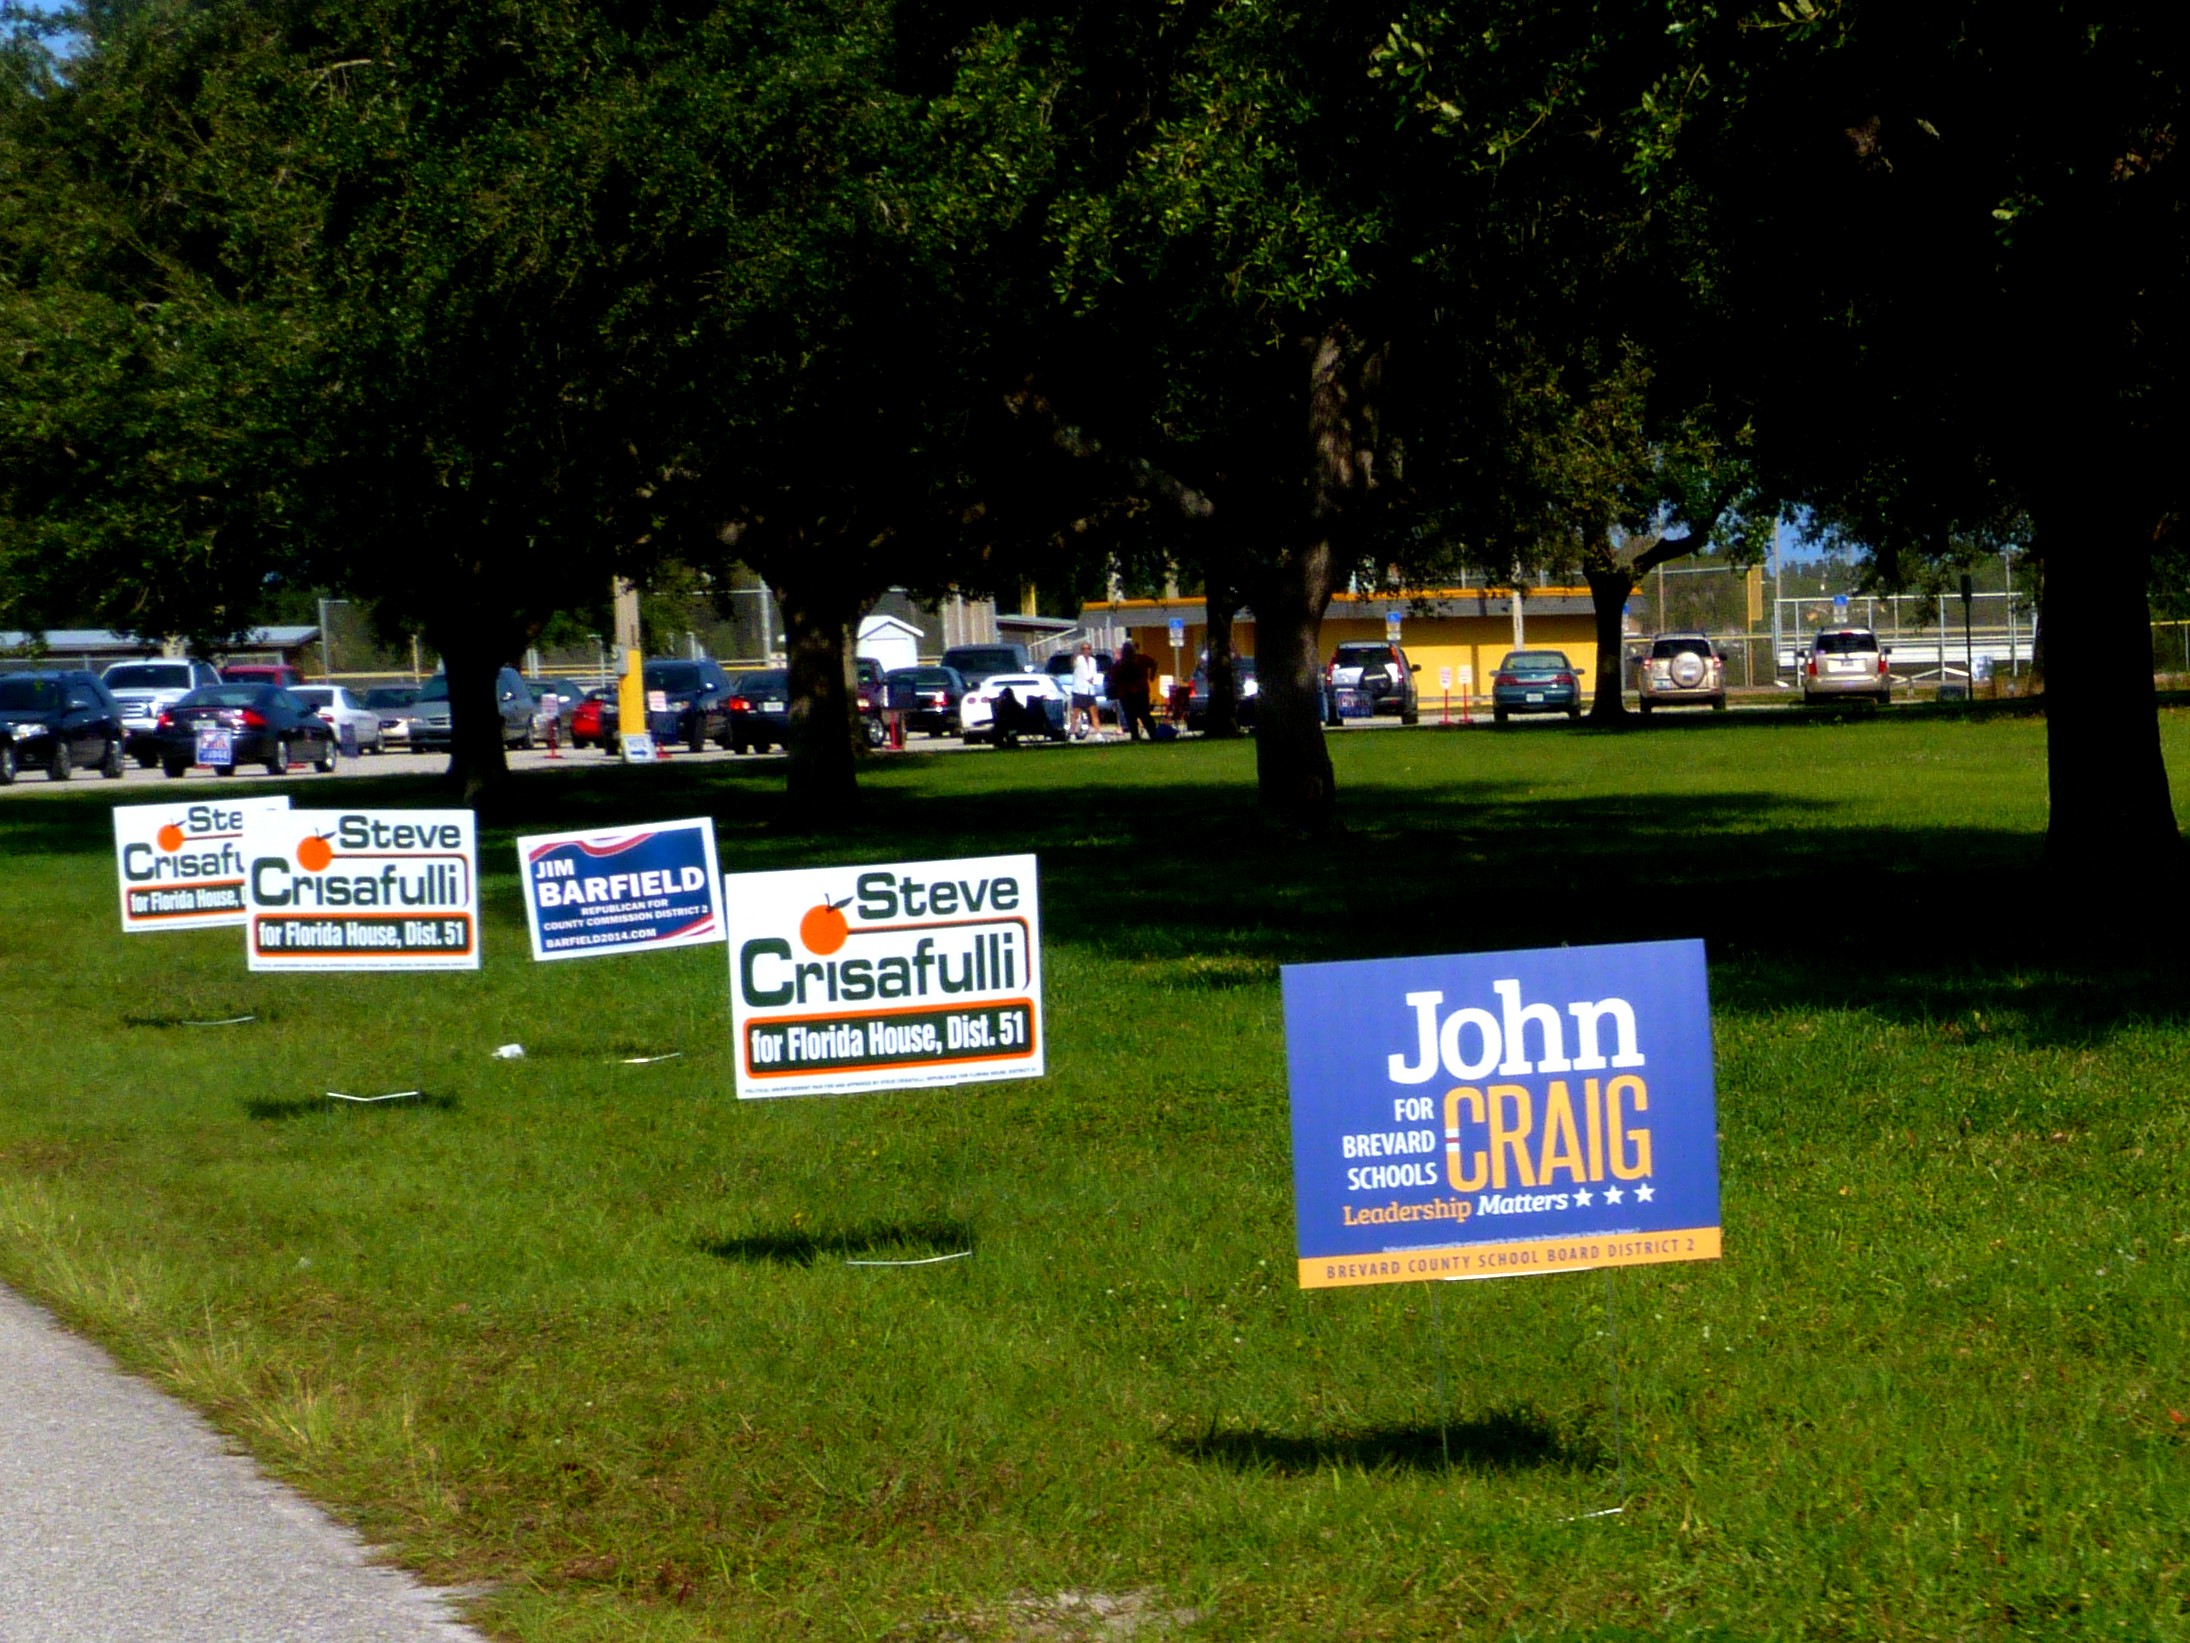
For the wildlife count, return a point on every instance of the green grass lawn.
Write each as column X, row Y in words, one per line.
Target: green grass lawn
column 584, row 1332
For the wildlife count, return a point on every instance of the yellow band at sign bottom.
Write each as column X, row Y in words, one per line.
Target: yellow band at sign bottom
column 1532, row 1255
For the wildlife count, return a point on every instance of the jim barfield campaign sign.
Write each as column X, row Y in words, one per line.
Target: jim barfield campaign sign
column 891, row 977
column 1489, row 1115
column 621, row 890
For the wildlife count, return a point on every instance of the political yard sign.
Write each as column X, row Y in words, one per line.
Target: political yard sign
column 1491, row 1115
column 629, row 889
column 180, row 866
column 361, row 890
column 873, row 978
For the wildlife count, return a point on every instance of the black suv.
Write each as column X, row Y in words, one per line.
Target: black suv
column 57, row 721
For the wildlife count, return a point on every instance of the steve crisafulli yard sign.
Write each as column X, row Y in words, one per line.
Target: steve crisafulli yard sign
column 624, row 890
column 361, row 890
column 180, row 866
column 1487, row 1115
column 872, row 978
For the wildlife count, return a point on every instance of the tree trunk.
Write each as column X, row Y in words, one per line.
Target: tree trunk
column 2112, row 823
column 1608, row 591
column 478, row 762
column 1221, row 718
column 1292, row 766
column 823, row 782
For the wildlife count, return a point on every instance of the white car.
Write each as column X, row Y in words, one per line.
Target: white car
column 143, row 689
column 343, row 710
column 977, row 708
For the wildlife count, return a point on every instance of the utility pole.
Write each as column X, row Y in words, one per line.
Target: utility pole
column 1969, row 641
column 326, row 642
column 631, row 688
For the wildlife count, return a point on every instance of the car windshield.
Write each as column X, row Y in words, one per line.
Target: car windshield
column 1364, row 655
column 391, row 696
column 29, row 695
column 672, row 676
column 984, row 659
column 922, row 678
column 1017, row 681
column 1682, row 647
column 764, row 684
column 1535, row 661
column 1845, row 644
column 225, row 696
column 313, row 695
column 435, row 689
column 148, row 676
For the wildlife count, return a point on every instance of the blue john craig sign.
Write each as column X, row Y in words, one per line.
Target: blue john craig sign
column 1490, row 1115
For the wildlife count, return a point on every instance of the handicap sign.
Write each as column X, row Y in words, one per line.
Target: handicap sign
column 1391, row 627
column 1494, row 1115
column 1840, row 604
column 1178, row 631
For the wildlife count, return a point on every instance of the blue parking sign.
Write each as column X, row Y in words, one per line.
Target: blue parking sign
column 1491, row 1115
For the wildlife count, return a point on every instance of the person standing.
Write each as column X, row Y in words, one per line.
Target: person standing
column 1087, row 685
column 1130, row 680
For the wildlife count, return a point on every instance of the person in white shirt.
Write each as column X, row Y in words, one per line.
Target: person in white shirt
column 1087, row 685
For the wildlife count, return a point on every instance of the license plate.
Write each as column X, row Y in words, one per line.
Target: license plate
column 1535, row 696
column 216, row 746
column 771, row 707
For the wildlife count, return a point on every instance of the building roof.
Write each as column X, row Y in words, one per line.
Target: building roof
column 108, row 639
column 1413, row 604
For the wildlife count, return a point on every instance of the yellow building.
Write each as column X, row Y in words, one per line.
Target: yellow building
column 1461, row 630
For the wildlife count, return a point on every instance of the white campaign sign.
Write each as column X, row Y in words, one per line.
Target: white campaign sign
column 361, row 890
column 875, row 978
column 180, row 866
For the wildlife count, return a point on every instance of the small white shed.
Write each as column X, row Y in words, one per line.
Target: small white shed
column 891, row 642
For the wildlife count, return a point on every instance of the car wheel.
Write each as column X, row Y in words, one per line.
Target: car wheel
column 7, row 764
column 1718, row 704
column 761, row 745
column 277, row 762
column 1410, row 716
column 224, row 770
column 112, row 766
column 176, row 769
column 1573, row 713
column 1644, row 706
column 873, row 728
column 59, row 767
column 1498, row 717
column 698, row 740
column 325, row 763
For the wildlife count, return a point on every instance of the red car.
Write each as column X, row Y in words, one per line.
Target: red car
column 586, row 728
column 280, row 675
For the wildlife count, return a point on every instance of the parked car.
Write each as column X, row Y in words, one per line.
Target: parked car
column 976, row 662
column 928, row 697
column 278, row 674
column 1244, row 685
column 1381, row 672
column 698, row 694
column 1682, row 667
column 222, row 726
column 568, row 693
column 1038, row 692
column 1845, row 663
column 397, row 707
column 342, row 707
column 586, row 719
column 141, row 689
column 760, row 711
column 868, row 673
column 57, row 722
column 430, row 732
column 1535, row 681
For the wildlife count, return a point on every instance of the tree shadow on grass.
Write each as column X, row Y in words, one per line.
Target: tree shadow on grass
column 1500, row 1440
column 275, row 1112
column 907, row 1241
